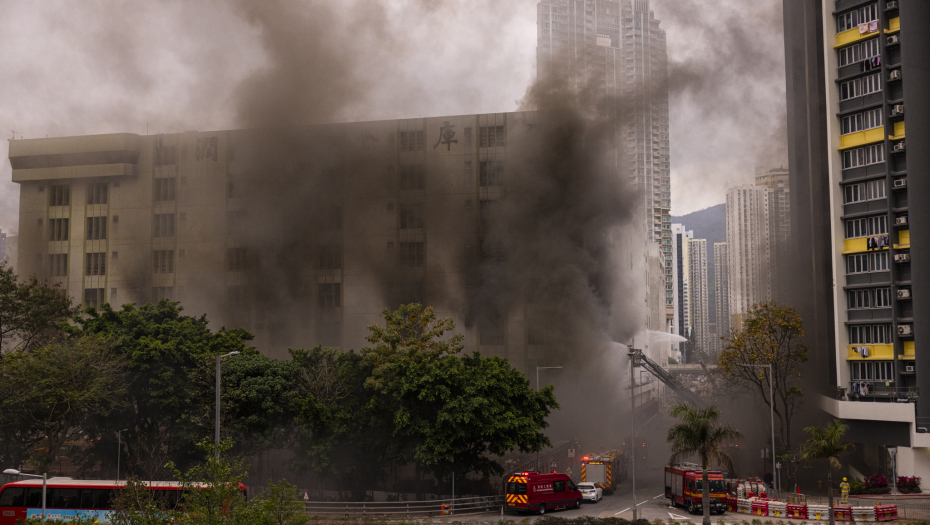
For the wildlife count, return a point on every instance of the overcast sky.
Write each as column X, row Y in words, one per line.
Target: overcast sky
column 164, row 66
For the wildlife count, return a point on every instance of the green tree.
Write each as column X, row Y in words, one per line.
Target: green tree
column 826, row 443
column 771, row 335
column 53, row 390
column 163, row 349
column 450, row 412
column 30, row 312
column 699, row 434
column 259, row 400
column 342, row 434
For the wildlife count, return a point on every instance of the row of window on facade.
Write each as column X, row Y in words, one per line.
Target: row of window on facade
column 872, row 334
column 866, row 226
column 488, row 137
column 96, row 297
column 164, row 189
column 869, row 298
column 852, row 19
column 96, row 230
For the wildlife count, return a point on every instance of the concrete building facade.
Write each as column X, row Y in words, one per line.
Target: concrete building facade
column 721, row 293
column 124, row 218
column 856, row 74
column 750, row 249
column 679, row 269
column 699, row 294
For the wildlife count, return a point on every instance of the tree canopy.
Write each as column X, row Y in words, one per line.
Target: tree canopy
column 771, row 335
column 30, row 312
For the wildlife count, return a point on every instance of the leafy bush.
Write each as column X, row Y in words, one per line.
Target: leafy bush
column 856, row 486
column 909, row 485
column 876, row 484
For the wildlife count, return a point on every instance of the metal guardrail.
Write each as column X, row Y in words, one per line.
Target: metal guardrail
column 430, row 508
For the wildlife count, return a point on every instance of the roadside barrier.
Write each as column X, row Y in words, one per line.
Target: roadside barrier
column 760, row 508
column 732, row 504
column 817, row 513
column 797, row 511
column 886, row 512
column 863, row 514
column 778, row 509
column 744, row 506
column 842, row 513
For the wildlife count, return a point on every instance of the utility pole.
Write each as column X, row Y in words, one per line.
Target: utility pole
column 634, row 354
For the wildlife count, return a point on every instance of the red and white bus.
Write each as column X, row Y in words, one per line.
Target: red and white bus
column 69, row 498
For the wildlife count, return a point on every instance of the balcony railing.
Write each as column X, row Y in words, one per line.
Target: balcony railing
column 877, row 393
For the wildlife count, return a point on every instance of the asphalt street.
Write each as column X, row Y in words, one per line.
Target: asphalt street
column 650, row 504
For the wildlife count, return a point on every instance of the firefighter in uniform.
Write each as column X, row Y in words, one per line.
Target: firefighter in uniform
column 844, row 491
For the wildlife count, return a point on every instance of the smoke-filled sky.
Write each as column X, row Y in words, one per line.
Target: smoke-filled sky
column 167, row 66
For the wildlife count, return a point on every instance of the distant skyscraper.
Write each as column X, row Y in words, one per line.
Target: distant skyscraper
column 699, row 293
column 749, row 248
column 777, row 180
column 679, row 270
column 618, row 47
column 721, row 292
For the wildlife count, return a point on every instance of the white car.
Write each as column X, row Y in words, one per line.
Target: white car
column 590, row 492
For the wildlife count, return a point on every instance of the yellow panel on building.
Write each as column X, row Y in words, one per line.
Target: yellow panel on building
column 876, row 353
column 898, row 131
column 860, row 244
column 908, row 351
column 904, row 240
column 894, row 25
column 861, row 138
column 851, row 36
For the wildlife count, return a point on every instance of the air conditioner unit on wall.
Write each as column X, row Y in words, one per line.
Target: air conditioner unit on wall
column 898, row 109
column 895, row 75
column 892, row 40
column 899, row 146
column 900, row 221
column 905, row 329
column 909, row 368
column 904, row 293
column 900, row 183
column 902, row 257
column 892, row 4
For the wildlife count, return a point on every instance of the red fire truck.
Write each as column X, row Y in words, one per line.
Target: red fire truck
column 683, row 486
column 535, row 492
column 602, row 470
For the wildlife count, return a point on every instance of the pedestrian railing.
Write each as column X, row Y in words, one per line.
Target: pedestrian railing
column 401, row 509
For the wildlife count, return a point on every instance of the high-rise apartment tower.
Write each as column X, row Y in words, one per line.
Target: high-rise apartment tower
column 856, row 73
column 618, row 47
column 700, row 294
column 749, row 243
column 721, row 292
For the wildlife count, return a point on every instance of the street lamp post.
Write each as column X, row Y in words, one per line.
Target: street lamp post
column 14, row 472
column 771, row 415
column 119, row 448
column 633, row 355
column 538, row 368
column 219, row 362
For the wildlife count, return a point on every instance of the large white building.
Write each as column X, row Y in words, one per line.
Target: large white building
column 750, row 249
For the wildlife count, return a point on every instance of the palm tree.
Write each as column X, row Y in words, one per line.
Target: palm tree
column 826, row 443
column 698, row 433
